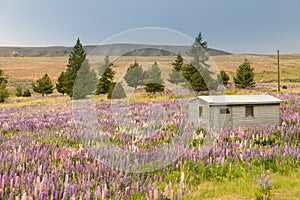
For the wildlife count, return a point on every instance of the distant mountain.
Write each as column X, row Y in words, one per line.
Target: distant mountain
column 110, row 49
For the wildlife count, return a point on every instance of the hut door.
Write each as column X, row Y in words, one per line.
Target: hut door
column 225, row 117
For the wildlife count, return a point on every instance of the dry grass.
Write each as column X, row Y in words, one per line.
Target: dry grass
column 265, row 66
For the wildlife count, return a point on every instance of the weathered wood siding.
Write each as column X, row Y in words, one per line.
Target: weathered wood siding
column 263, row 114
column 194, row 113
column 211, row 117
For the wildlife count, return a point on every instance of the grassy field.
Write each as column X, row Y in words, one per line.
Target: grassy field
column 265, row 66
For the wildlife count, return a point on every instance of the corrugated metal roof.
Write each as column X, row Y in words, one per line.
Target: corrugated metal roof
column 240, row 99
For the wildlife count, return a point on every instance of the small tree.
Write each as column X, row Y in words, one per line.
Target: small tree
column 198, row 52
column 3, row 91
column 244, row 76
column 175, row 77
column 116, row 91
column 61, row 84
column 153, row 80
column 43, row 85
column 178, row 63
column 19, row 91
column 106, row 79
column 76, row 58
column 134, row 75
column 223, row 77
column 26, row 93
column 85, row 82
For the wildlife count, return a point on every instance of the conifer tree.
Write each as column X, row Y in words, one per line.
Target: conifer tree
column 76, row 58
column 106, row 78
column 85, row 82
column 116, row 91
column 244, row 76
column 178, row 63
column 43, row 85
column 134, row 75
column 223, row 77
column 198, row 52
column 61, row 84
column 153, row 80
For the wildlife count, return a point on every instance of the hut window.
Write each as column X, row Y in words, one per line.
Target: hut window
column 200, row 111
column 224, row 111
column 249, row 111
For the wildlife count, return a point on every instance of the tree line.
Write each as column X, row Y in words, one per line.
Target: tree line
column 80, row 80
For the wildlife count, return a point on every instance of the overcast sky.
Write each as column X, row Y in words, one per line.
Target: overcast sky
column 237, row 26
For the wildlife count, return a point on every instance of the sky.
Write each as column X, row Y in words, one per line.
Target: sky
column 236, row 26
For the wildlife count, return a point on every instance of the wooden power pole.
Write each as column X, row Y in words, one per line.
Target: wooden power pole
column 278, row 70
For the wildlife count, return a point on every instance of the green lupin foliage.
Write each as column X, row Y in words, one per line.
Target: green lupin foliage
column 244, row 76
column 106, row 78
column 134, row 75
column 223, row 77
column 76, row 58
column 153, row 80
column 43, row 85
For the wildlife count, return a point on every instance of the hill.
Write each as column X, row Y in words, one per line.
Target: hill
column 110, row 49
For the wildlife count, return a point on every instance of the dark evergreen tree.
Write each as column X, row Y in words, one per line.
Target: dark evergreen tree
column 198, row 52
column 61, row 84
column 105, row 80
column 223, row 77
column 134, row 75
column 153, row 80
column 244, row 76
column 26, row 93
column 175, row 77
column 103, row 66
column 3, row 91
column 19, row 91
column 76, row 58
column 178, row 63
column 43, row 85
column 85, row 82
column 3, row 77
column 116, row 91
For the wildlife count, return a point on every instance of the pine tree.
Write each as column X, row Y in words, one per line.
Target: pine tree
column 76, row 58
column 178, row 63
column 244, row 76
column 153, row 80
column 3, row 77
column 85, row 82
column 198, row 52
column 61, row 84
column 175, row 77
column 134, row 75
column 3, row 91
column 116, row 91
column 43, row 85
column 106, row 79
column 223, row 77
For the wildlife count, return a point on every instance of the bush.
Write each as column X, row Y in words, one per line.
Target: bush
column 3, row 92
column 21, row 93
column 26, row 93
